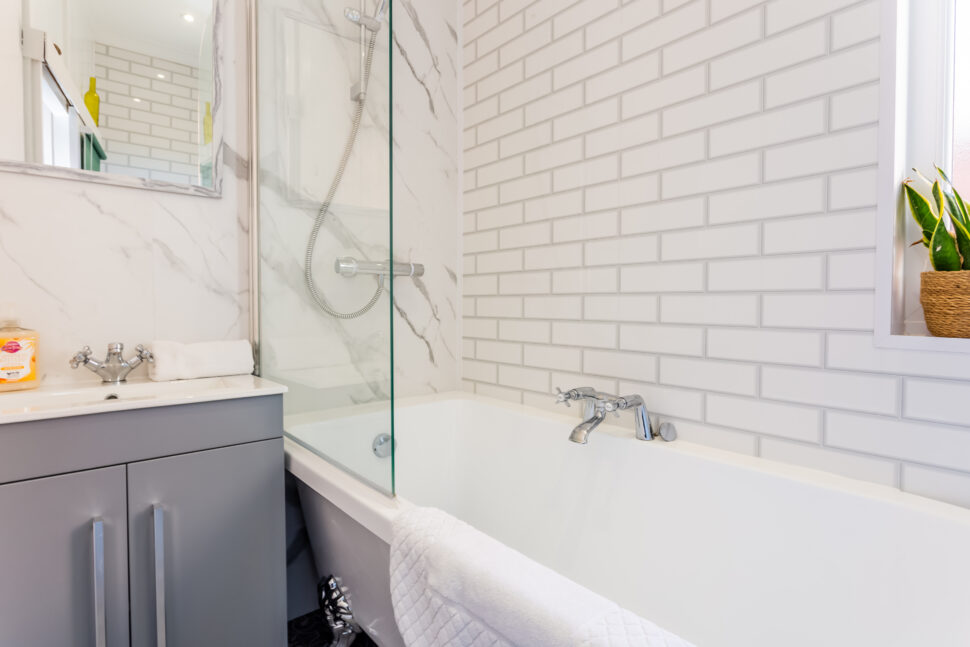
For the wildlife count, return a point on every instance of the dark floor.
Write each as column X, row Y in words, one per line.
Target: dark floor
column 311, row 630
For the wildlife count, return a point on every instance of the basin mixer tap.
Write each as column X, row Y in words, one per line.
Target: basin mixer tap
column 114, row 368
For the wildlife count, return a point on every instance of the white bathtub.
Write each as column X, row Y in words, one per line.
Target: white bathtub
column 722, row 549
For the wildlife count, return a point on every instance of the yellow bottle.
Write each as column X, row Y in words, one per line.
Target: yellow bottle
column 18, row 356
column 207, row 124
column 93, row 101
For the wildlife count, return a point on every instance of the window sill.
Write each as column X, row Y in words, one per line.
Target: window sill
column 923, row 343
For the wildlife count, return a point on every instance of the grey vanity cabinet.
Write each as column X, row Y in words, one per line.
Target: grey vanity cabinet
column 64, row 560
column 81, row 499
column 204, row 537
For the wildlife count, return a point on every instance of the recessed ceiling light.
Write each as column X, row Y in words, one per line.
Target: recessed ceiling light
column 187, row 17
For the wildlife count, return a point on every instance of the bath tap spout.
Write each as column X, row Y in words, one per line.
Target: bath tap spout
column 581, row 433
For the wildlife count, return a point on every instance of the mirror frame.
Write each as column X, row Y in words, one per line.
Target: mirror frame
column 220, row 25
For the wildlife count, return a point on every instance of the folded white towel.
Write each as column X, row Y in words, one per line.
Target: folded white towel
column 176, row 361
column 454, row 586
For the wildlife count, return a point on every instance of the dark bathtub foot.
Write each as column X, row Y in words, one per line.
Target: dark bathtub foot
column 336, row 608
column 312, row 630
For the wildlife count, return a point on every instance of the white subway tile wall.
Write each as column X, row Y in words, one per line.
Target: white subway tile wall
column 689, row 188
column 149, row 115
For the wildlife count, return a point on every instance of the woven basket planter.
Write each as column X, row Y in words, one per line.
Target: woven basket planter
column 946, row 302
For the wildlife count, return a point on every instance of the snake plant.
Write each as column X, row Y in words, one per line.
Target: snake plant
column 949, row 251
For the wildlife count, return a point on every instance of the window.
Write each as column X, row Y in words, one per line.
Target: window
column 924, row 121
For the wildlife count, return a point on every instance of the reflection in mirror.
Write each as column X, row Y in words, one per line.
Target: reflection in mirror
column 123, row 87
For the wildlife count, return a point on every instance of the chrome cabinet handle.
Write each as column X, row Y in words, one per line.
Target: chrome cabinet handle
column 158, row 518
column 97, row 531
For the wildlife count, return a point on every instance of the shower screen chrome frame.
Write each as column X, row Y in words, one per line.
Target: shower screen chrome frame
column 252, row 45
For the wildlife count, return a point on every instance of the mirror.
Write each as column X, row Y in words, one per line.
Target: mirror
column 119, row 91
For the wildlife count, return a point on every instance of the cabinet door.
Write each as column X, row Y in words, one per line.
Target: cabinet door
column 64, row 560
column 206, row 544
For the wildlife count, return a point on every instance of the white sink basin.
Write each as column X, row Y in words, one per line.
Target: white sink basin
column 59, row 401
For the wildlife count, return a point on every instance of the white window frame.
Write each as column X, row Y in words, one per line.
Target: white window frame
column 915, row 130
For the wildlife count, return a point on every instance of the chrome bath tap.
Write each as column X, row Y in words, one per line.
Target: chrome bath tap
column 114, row 368
column 597, row 404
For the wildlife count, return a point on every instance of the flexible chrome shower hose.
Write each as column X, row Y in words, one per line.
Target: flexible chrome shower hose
column 325, row 206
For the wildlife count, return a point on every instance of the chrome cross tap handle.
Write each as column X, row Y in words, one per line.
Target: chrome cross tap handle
column 561, row 397
column 610, row 407
column 81, row 357
column 581, row 393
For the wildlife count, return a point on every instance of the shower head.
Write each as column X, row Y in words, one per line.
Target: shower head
column 371, row 23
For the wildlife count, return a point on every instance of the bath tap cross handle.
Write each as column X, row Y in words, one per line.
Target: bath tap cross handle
column 613, row 407
column 562, row 398
column 579, row 393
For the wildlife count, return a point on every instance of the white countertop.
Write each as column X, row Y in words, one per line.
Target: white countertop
column 61, row 400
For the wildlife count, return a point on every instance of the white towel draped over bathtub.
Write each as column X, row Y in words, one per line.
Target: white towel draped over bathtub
column 453, row 586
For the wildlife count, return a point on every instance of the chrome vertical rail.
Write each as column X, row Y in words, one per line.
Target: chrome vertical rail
column 158, row 533
column 100, row 613
column 361, row 57
column 254, row 181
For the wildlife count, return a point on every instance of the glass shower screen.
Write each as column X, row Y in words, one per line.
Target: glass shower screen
column 324, row 98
